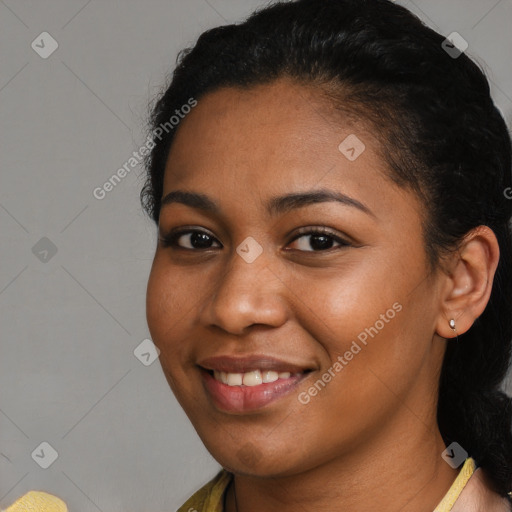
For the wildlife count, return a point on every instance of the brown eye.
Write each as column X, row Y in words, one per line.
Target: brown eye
column 320, row 240
column 190, row 240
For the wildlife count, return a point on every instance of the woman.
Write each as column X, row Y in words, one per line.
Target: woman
column 331, row 290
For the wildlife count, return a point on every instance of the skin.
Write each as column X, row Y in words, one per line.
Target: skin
column 478, row 495
column 369, row 440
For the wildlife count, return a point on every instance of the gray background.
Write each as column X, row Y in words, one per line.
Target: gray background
column 70, row 322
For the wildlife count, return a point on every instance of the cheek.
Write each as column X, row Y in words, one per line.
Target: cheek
column 337, row 306
column 167, row 323
column 367, row 315
column 157, row 302
column 166, row 312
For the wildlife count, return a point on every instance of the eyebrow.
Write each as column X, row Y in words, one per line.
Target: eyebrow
column 275, row 206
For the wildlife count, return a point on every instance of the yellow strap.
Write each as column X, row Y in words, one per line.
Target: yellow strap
column 458, row 485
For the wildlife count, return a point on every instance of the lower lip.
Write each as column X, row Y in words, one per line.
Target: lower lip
column 248, row 398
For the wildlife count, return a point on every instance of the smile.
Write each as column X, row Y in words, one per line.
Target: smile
column 247, row 392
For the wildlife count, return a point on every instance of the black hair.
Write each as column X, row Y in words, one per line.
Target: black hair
column 441, row 135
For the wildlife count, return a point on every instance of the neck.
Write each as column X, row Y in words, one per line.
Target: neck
column 385, row 475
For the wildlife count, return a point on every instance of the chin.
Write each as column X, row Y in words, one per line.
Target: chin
column 251, row 459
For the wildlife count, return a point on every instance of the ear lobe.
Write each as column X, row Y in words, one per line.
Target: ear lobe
column 469, row 283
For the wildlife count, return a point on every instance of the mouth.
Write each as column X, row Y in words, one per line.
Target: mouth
column 240, row 385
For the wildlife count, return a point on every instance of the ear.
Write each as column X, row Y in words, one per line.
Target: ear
column 468, row 283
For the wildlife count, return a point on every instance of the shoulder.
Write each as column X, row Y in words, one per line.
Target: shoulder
column 38, row 501
column 479, row 496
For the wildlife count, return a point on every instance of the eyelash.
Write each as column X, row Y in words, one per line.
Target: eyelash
column 170, row 240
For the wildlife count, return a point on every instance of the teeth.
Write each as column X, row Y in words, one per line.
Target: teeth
column 253, row 378
column 269, row 376
column 234, row 379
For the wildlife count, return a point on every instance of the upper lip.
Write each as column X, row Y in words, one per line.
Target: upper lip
column 234, row 364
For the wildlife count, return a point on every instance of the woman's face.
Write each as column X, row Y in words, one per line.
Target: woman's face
column 291, row 254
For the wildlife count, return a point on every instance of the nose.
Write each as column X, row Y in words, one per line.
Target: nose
column 246, row 294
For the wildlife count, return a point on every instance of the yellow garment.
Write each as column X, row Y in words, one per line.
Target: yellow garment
column 35, row 501
column 210, row 497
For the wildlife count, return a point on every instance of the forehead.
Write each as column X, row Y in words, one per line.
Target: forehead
column 275, row 138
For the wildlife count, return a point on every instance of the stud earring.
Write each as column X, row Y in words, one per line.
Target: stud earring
column 452, row 324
